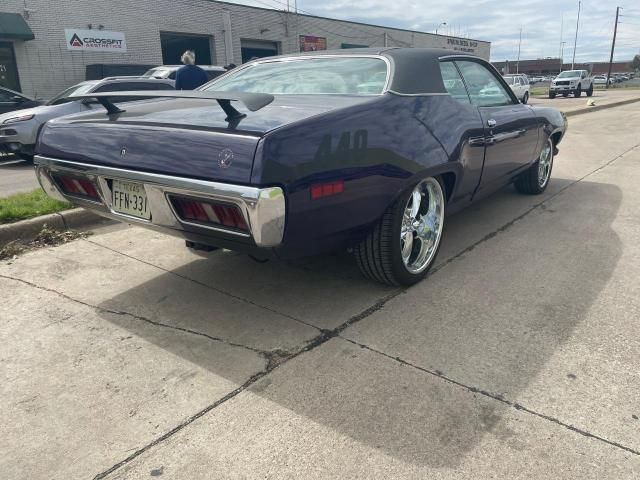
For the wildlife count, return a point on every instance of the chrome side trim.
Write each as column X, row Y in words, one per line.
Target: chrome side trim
column 264, row 209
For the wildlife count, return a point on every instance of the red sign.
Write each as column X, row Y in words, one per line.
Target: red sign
column 309, row 43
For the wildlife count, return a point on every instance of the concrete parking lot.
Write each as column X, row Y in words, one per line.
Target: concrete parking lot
column 126, row 356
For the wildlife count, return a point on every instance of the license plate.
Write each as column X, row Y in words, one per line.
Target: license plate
column 130, row 198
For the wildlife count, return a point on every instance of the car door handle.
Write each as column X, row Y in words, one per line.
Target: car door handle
column 491, row 123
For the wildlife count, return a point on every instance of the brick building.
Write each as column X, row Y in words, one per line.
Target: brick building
column 46, row 45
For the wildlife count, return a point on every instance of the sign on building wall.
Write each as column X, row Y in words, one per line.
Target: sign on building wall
column 95, row 40
column 309, row 43
column 462, row 44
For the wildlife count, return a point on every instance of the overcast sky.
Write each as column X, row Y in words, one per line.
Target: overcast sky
column 499, row 22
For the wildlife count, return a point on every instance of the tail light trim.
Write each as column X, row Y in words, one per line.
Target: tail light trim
column 209, row 213
column 262, row 208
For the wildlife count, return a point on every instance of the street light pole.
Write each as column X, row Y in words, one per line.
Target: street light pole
column 561, row 55
column 575, row 41
column 443, row 23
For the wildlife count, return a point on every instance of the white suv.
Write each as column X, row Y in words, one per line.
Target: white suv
column 520, row 86
column 571, row 81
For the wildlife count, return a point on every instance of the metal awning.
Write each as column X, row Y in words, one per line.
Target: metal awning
column 13, row 26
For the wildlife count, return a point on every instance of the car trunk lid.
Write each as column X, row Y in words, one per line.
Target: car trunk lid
column 185, row 137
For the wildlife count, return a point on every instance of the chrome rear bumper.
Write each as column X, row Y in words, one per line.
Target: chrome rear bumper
column 263, row 209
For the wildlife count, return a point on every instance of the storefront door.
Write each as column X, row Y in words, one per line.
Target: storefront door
column 8, row 67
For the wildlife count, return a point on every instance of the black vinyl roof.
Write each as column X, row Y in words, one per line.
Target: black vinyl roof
column 415, row 70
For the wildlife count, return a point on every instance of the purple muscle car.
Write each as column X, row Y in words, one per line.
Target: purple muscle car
column 303, row 154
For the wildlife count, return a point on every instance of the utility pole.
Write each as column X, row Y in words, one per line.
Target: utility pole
column 561, row 42
column 519, row 44
column 561, row 55
column 575, row 41
column 613, row 45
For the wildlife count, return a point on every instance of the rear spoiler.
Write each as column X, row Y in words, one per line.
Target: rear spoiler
column 253, row 101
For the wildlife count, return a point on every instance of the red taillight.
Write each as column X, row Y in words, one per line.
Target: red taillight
column 77, row 186
column 326, row 189
column 209, row 212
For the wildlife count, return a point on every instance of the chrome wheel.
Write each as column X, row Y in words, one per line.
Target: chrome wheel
column 422, row 224
column 545, row 162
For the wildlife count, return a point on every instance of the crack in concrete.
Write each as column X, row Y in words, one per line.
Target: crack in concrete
column 264, row 353
column 205, row 285
column 275, row 360
column 495, row 396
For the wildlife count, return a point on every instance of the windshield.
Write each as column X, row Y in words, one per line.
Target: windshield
column 157, row 73
column 509, row 80
column 79, row 89
column 570, row 74
column 307, row 76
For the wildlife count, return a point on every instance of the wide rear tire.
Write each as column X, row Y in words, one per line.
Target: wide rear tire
column 525, row 98
column 403, row 245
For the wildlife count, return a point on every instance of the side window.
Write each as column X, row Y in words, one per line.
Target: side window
column 128, row 86
column 484, row 88
column 147, row 86
column 109, row 87
column 5, row 96
column 213, row 74
column 453, row 82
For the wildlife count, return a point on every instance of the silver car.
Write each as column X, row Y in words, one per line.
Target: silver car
column 19, row 129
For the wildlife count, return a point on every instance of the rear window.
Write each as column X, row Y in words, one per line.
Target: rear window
column 65, row 95
column 308, row 76
column 161, row 72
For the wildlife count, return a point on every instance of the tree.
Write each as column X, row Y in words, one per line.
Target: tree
column 635, row 63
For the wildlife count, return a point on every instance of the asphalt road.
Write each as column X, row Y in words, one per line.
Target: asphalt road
column 125, row 356
column 16, row 176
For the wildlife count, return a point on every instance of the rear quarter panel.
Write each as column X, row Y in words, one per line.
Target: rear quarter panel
column 378, row 148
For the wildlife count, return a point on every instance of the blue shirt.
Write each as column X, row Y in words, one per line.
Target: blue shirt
column 189, row 77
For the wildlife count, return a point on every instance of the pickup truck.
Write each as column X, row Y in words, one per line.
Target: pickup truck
column 571, row 81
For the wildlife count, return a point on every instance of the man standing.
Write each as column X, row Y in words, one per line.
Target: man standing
column 190, row 76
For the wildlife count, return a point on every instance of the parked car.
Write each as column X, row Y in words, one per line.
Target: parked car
column 298, row 155
column 19, row 130
column 520, row 86
column 601, row 80
column 11, row 100
column 169, row 71
column 571, row 81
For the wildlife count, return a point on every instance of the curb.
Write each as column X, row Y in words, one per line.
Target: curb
column 26, row 230
column 595, row 108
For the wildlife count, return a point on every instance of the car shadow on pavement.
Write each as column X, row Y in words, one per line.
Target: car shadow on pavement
column 489, row 320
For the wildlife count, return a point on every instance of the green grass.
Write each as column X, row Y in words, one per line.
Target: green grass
column 26, row 205
column 538, row 91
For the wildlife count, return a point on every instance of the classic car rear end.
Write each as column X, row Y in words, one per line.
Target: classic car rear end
column 301, row 155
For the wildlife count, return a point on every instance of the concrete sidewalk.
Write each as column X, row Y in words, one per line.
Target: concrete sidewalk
column 126, row 356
